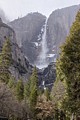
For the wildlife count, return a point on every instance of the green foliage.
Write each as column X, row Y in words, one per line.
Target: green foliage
column 33, row 97
column 27, row 90
column 47, row 94
column 56, row 115
column 58, row 92
column 20, row 90
column 11, row 82
column 40, row 92
column 68, row 67
column 31, row 92
column 6, row 52
column 5, row 61
column 33, row 88
column 34, row 79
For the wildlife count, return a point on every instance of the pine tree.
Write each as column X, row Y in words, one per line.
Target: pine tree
column 34, row 79
column 33, row 97
column 5, row 61
column 33, row 88
column 11, row 82
column 33, row 92
column 68, row 67
column 20, row 90
column 27, row 90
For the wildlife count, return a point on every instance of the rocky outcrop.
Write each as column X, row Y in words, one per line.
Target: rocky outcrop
column 48, row 75
column 27, row 30
column 59, row 23
column 20, row 67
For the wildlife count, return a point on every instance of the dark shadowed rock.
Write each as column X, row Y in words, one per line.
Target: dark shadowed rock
column 48, row 75
column 20, row 67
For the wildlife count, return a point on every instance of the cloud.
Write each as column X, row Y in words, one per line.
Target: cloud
column 17, row 8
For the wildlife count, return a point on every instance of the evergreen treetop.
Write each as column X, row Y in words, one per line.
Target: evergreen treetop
column 68, row 66
column 5, row 61
column 34, row 78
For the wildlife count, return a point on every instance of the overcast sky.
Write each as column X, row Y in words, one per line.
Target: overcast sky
column 17, row 8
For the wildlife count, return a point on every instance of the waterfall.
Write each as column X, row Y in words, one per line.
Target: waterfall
column 42, row 58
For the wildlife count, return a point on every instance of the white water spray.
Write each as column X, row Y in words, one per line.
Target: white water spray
column 42, row 58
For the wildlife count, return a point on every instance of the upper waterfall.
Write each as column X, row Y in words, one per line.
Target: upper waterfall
column 42, row 58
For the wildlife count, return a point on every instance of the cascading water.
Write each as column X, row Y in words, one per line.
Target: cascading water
column 42, row 58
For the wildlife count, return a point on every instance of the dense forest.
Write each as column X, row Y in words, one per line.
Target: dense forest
column 21, row 100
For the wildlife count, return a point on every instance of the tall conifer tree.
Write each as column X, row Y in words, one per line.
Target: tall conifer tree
column 68, row 67
column 20, row 90
column 27, row 90
column 33, row 87
column 5, row 61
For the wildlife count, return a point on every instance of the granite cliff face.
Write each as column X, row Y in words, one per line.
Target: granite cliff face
column 30, row 29
column 47, row 76
column 27, row 30
column 20, row 67
column 59, row 23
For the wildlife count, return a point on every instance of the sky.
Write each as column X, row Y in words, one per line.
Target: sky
column 19, row 8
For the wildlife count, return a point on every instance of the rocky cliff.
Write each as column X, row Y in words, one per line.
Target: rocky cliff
column 47, row 76
column 20, row 67
column 27, row 30
column 59, row 23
